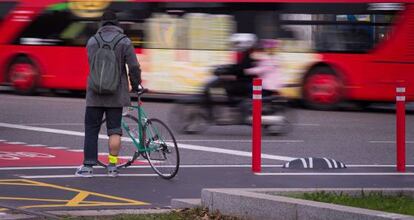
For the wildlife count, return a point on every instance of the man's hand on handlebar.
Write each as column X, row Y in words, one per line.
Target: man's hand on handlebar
column 141, row 90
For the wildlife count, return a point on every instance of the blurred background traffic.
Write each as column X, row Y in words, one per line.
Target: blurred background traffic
column 326, row 51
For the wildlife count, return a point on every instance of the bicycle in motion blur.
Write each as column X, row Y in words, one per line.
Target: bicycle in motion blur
column 149, row 138
column 193, row 114
column 226, row 100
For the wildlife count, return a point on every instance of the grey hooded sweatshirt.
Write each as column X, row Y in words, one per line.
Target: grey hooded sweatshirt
column 125, row 54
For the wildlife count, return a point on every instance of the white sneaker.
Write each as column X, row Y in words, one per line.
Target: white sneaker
column 84, row 171
column 112, row 171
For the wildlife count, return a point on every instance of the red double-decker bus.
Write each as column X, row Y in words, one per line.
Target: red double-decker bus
column 329, row 51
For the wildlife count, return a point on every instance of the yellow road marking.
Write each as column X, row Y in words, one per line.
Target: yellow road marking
column 15, row 182
column 77, row 190
column 46, row 200
column 3, row 209
column 32, row 199
column 76, row 201
column 78, row 198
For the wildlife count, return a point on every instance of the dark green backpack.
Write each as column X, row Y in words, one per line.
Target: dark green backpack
column 105, row 71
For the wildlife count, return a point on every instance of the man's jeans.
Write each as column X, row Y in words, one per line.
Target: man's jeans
column 93, row 121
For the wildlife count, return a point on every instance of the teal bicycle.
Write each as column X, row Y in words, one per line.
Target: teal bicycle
column 150, row 138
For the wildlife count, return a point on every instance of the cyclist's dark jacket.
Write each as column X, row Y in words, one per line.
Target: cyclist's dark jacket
column 125, row 55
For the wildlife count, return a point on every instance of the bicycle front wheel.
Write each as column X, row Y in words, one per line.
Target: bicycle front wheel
column 161, row 148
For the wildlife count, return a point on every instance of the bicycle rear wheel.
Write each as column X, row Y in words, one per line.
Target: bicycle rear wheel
column 161, row 148
column 128, row 152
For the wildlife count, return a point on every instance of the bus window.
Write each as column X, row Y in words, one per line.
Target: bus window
column 57, row 28
column 196, row 31
column 5, row 8
column 62, row 26
column 358, row 33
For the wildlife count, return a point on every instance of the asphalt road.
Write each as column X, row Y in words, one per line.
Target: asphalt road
column 363, row 140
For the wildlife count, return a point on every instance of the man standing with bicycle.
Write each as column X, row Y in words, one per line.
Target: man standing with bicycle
column 109, row 51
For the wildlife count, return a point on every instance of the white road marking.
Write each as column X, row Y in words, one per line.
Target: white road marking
column 190, row 166
column 310, row 162
column 388, row 142
column 2, row 140
column 233, row 152
column 36, row 145
column 57, row 148
column 183, row 146
column 243, row 141
column 144, row 166
column 74, row 176
column 374, row 165
column 53, row 124
column 76, row 150
column 15, row 142
column 335, row 174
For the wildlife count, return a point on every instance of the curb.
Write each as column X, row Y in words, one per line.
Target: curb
column 272, row 204
column 107, row 212
column 185, row 203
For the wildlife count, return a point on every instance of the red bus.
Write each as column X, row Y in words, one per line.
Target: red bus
column 330, row 50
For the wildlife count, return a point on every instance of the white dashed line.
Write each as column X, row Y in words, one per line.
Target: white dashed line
column 15, row 142
column 2, row 140
column 57, row 148
column 36, row 145
column 76, row 150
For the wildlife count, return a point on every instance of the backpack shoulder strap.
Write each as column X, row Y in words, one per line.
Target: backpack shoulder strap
column 116, row 40
column 99, row 39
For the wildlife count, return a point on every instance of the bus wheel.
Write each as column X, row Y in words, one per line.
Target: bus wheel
column 322, row 89
column 24, row 76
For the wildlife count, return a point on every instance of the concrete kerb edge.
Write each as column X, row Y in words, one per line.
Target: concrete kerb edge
column 256, row 204
column 107, row 212
column 185, row 203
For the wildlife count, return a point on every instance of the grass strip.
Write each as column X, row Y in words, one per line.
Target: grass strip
column 375, row 200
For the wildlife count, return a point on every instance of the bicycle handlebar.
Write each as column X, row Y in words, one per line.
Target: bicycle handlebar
column 141, row 91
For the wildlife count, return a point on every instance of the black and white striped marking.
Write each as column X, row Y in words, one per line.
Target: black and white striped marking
column 314, row 163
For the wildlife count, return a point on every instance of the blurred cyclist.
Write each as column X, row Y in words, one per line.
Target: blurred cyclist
column 244, row 44
column 111, row 42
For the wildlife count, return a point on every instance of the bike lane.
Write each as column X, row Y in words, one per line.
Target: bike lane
column 17, row 159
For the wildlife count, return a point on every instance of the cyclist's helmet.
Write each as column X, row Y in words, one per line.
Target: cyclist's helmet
column 243, row 41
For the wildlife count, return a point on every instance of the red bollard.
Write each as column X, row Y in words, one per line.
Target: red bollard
column 257, row 126
column 400, row 99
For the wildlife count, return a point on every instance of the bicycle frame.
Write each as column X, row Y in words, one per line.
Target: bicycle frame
column 142, row 119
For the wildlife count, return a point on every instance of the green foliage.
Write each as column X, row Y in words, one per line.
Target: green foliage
column 377, row 201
